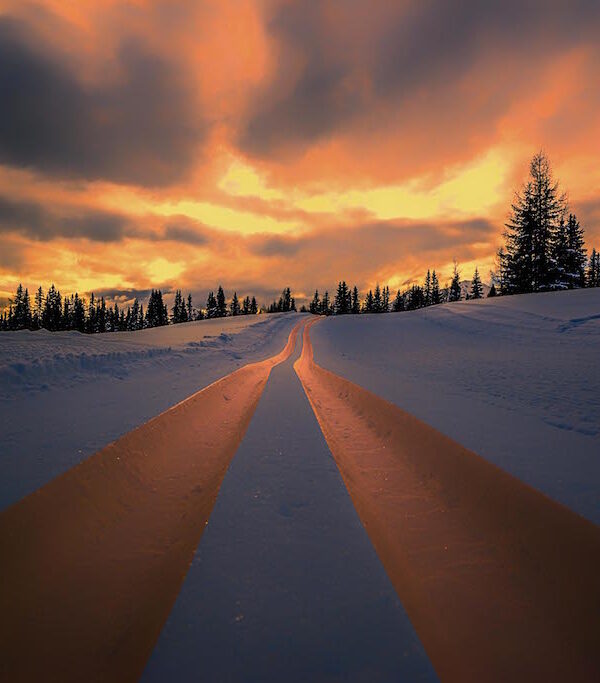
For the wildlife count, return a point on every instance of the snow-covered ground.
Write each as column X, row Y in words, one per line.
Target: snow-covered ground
column 516, row 379
column 64, row 395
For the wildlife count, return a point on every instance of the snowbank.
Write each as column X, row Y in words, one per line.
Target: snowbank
column 65, row 395
column 42, row 360
column 516, row 379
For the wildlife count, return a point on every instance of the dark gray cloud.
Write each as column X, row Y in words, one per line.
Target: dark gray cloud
column 124, row 296
column 375, row 242
column 186, row 231
column 439, row 40
column 141, row 128
column 422, row 46
column 40, row 223
column 36, row 222
column 276, row 246
column 317, row 101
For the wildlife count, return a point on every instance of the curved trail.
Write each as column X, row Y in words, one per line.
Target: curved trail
column 500, row 582
column 285, row 584
column 92, row 561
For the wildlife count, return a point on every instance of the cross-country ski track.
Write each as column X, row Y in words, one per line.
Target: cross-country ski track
column 221, row 541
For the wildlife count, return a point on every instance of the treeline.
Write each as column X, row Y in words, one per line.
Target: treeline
column 285, row 304
column 52, row 311
column 348, row 301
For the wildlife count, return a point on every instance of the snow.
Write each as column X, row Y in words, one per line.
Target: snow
column 516, row 379
column 64, row 395
column 285, row 584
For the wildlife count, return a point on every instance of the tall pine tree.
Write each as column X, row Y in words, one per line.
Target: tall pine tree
column 221, row 303
column 454, row 293
column 528, row 263
column 211, row 306
column 476, row 286
column 593, row 271
column 355, row 302
column 235, row 305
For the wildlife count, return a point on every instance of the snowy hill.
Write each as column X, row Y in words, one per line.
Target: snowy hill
column 516, row 379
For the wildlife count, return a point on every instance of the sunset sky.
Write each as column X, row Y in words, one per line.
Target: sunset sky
column 260, row 144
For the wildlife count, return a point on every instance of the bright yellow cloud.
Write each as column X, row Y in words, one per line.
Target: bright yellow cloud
column 241, row 180
column 467, row 190
column 160, row 269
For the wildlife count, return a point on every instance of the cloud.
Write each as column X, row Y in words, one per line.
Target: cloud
column 379, row 240
column 139, row 128
column 404, row 66
column 316, row 101
column 12, row 256
column 378, row 250
column 186, row 231
column 40, row 223
column 277, row 246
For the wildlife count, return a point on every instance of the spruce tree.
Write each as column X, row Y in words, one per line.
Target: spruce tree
column 325, row 304
column 560, row 249
column 385, row 300
column 398, row 304
column 369, row 304
column 235, row 305
column 528, row 263
column 67, row 319
column 415, row 298
column 492, row 291
column 476, row 286
column 355, row 301
column 134, row 316
column 178, row 306
column 435, row 289
column 593, row 272
column 78, row 313
column 101, row 315
column 427, row 291
column 190, row 308
column 221, row 303
column 342, row 301
column 246, row 306
column 253, row 306
column 286, row 300
column 454, row 293
column 377, row 300
column 576, row 258
column 156, row 311
column 20, row 318
column 52, row 313
column 39, row 306
column 315, row 304
column 90, row 327
column 211, row 306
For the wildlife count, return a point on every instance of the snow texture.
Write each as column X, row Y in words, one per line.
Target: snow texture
column 64, row 395
column 285, row 584
column 516, row 379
